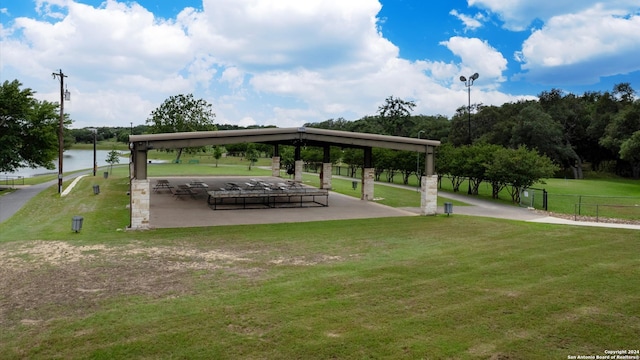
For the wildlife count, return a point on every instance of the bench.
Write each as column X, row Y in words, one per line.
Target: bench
column 182, row 191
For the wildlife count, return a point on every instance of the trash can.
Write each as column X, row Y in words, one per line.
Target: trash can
column 448, row 208
column 96, row 189
column 354, row 185
column 105, row 174
column 76, row 223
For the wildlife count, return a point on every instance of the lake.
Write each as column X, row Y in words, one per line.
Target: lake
column 72, row 160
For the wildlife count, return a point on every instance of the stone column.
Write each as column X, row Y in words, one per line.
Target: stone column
column 325, row 181
column 275, row 166
column 299, row 167
column 368, row 179
column 429, row 195
column 140, row 204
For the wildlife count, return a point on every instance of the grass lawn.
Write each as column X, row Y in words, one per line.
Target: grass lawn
column 415, row 287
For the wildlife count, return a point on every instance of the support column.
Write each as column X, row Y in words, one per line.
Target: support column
column 327, row 170
column 140, row 204
column 368, row 180
column 275, row 166
column 368, row 175
column 299, row 167
column 429, row 161
column 325, row 178
column 429, row 195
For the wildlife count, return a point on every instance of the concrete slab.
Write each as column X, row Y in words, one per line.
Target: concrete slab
column 167, row 211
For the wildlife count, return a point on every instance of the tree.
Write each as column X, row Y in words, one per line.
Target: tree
column 112, row 158
column 354, row 159
column 630, row 151
column 450, row 161
column 182, row 113
column 623, row 125
column 405, row 163
column 383, row 161
column 517, row 169
column 474, row 160
column 217, row 153
column 28, row 129
column 570, row 112
column 395, row 113
column 537, row 130
column 251, row 154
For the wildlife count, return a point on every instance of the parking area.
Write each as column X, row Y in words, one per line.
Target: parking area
column 169, row 211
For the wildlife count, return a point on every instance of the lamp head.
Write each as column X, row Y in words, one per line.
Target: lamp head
column 463, row 79
column 475, row 76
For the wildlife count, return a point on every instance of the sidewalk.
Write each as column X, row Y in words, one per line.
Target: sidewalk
column 14, row 201
column 480, row 207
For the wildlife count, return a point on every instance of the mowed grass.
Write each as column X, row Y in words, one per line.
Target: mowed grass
column 415, row 287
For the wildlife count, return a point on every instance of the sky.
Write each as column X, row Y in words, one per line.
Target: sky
column 291, row 62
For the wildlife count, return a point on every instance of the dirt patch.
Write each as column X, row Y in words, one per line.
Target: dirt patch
column 44, row 280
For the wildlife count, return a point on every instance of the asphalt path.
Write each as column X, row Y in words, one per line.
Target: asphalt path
column 12, row 202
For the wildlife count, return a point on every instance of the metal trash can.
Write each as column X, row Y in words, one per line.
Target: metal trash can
column 76, row 223
column 448, row 208
column 105, row 174
column 96, row 189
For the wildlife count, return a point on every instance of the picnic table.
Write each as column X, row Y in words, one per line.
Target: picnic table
column 270, row 197
column 162, row 184
column 197, row 184
column 183, row 190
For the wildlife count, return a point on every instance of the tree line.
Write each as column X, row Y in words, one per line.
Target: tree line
column 566, row 132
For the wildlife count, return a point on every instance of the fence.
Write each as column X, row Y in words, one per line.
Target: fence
column 601, row 212
column 583, row 206
column 534, row 198
column 11, row 181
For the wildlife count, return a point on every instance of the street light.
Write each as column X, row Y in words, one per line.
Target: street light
column 418, row 162
column 468, row 83
column 64, row 95
column 95, row 163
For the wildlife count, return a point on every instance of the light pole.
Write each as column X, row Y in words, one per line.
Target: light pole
column 95, row 163
column 467, row 84
column 418, row 162
column 64, row 95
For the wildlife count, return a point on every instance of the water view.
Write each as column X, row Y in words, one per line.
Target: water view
column 72, row 160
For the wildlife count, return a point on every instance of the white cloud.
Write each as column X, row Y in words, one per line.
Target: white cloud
column 283, row 62
column 470, row 23
column 518, row 15
column 595, row 43
column 478, row 56
column 256, row 34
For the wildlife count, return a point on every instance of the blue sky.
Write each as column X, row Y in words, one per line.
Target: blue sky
column 289, row 62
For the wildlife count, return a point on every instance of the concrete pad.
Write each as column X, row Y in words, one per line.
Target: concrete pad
column 167, row 211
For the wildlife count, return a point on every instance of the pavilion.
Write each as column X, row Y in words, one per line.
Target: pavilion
column 297, row 137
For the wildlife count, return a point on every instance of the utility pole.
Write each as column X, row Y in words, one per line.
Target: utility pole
column 64, row 95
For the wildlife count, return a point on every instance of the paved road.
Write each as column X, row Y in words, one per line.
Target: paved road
column 14, row 201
